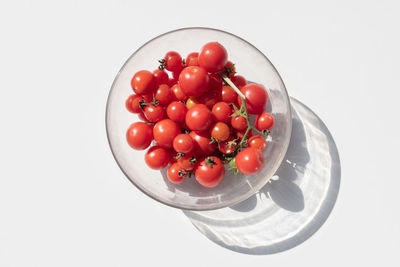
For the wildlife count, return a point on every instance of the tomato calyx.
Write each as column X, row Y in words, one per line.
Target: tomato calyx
column 265, row 132
column 162, row 65
column 232, row 143
column 143, row 104
column 182, row 173
column 228, row 71
column 192, row 160
column 210, row 162
column 179, row 155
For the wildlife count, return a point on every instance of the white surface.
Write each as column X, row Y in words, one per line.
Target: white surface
column 63, row 200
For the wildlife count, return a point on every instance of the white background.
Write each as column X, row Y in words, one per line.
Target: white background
column 63, row 199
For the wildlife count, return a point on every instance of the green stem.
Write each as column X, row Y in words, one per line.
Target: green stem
column 241, row 95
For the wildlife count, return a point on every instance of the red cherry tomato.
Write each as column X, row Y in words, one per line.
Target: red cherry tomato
column 239, row 81
column 228, row 95
column 132, row 103
column 209, row 98
column 239, row 123
column 213, row 57
column 163, row 94
column 220, row 131
column 221, row 111
column 215, row 82
column 192, row 59
column 188, row 162
column 172, row 81
column 240, row 134
column 228, row 146
column 142, row 117
column 173, row 61
column 139, row 135
column 178, row 94
column 154, row 113
column 183, row 143
column 210, row 172
column 249, row 161
column 176, row 111
column 198, row 118
column 194, row 81
column 202, row 146
column 143, row 82
column 257, row 142
column 160, row 76
column 165, row 131
column 256, row 98
column 264, row 121
column 157, row 157
column 176, row 173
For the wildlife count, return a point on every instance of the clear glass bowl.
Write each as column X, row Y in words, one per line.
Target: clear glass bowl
column 250, row 63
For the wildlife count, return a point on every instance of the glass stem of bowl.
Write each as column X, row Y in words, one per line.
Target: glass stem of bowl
column 245, row 114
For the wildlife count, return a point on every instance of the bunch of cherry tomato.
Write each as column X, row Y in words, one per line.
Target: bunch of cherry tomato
column 197, row 117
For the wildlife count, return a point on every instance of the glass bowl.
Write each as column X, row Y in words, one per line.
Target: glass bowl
column 250, row 63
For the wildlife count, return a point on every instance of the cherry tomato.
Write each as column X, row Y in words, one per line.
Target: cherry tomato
column 239, row 81
column 221, row 111
column 143, row 82
column 230, row 69
column 239, row 123
column 176, row 74
column 165, row 131
column 257, row 142
column 264, row 121
column 160, row 76
column 157, row 157
column 163, row 94
column 147, row 97
column 131, row 106
column 142, row 117
column 256, row 98
column 194, row 81
column 176, row 111
column 192, row 59
column 173, row 61
column 215, row 82
column 228, row 95
column 177, row 93
column 198, row 118
column 213, row 57
column 183, row 143
column 210, row 172
column 240, row 134
column 154, row 113
column 228, row 146
column 187, row 162
column 172, row 81
column 191, row 102
column 209, row 98
column 220, row 131
column 176, row 173
column 202, row 146
column 249, row 161
column 139, row 135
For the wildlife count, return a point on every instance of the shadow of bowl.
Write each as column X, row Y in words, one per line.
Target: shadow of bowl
column 293, row 205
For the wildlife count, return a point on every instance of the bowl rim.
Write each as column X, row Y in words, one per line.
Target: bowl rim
column 254, row 189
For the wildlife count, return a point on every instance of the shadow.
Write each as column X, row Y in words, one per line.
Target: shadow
column 293, row 205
